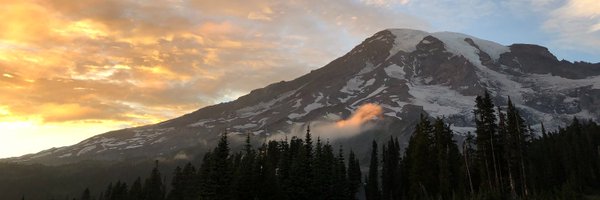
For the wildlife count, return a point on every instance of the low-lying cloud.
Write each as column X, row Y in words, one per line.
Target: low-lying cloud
column 360, row 121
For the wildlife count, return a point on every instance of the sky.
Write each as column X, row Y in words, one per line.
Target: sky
column 73, row 69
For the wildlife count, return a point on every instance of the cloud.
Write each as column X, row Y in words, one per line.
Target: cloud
column 385, row 3
column 577, row 25
column 141, row 62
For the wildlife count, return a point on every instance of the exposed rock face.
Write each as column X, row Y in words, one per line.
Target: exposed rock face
column 407, row 72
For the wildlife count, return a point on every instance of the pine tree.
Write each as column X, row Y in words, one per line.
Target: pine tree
column 154, row 188
column 468, row 150
column 136, row 193
column 85, row 195
column 108, row 192
column 218, row 181
column 340, row 181
column 487, row 140
column 517, row 139
column 447, row 158
column 119, row 191
column 372, row 191
column 268, row 186
column 354, row 175
column 205, row 183
column 421, row 162
column 190, row 183
column 307, row 165
column 326, row 170
column 390, row 173
column 320, row 172
column 177, row 185
column 246, row 175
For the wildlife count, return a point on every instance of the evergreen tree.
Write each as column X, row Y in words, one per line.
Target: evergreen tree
column 154, row 188
column 487, row 140
column 390, row 173
column 219, row 177
column 177, row 185
column 468, row 151
column 354, row 176
column 85, row 195
column 108, row 192
column 340, row 181
column 372, row 191
column 119, row 191
column 136, row 192
column 246, row 174
column 517, row 140
column 326, row 168
column 268, row 186
column 421, row 162
column 448, row 158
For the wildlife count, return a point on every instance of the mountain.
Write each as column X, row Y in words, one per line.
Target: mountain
column 406, row 72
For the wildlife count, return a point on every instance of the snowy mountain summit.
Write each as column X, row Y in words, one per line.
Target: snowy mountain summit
column 406, row 72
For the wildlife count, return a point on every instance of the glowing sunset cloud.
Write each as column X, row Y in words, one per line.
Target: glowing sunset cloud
column 364, row 113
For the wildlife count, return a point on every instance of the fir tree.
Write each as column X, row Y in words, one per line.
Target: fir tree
column 487, row 140
column 85, row 195
column 354, row 175
column 136, row 193
column 340, row 181
column 517, row 139
column 219, row 178
column 154, row 188
column 421, row 162
column 246, row 175
column 372, row 191
column 390, row 173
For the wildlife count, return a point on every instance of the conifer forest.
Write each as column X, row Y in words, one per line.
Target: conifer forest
column 503, row 159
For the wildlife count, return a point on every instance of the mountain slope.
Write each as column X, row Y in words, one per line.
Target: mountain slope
column 406, row 72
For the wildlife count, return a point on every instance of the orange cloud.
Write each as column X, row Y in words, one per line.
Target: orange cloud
column 363, row 114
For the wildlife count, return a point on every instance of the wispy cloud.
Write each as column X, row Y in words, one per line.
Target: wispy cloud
column 577, row 24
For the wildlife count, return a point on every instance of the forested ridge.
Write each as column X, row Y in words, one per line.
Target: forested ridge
column 504, row 159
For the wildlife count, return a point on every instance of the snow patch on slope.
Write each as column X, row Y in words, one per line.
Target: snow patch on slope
column 353, row 85
column 309, row 108
column 406, row 40
column 557, row 83
column 263, row 106
column 441, row 101
column 395, row 71
column 455, row 43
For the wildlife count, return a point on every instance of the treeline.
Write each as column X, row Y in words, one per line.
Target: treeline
column 503, row 159
column 294, row 169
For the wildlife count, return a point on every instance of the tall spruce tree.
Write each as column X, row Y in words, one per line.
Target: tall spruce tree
column 517, row 140
column 221, row 172
column 421, row 162
column 390, row 172
column 468, row 151
column 177, row 185
column 246, row 174
column 487, row 140
column 448, row 158
column 154, row 188
column 354, row 176
column 372, row 190
column 340, row 181
column 136, row 192
column 86, row 195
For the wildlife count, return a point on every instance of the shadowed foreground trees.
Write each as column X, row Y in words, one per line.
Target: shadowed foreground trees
column 505, row 161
